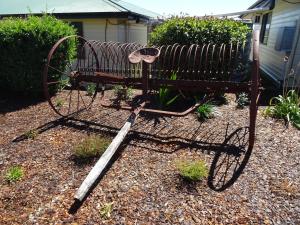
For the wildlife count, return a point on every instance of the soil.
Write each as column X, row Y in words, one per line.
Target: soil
column 243, row 187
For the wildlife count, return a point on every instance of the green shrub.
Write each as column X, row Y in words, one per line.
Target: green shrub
column 242, row 100
column 192, row 170
column 285, row 107
column 191, row 30
column 14, row 174
column 24, row 47
column 91, row 147
column 205, row 111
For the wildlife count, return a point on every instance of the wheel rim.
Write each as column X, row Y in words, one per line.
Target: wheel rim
column 65, row 94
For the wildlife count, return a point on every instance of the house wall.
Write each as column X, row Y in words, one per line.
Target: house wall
column 271, row 60
column 118, row 30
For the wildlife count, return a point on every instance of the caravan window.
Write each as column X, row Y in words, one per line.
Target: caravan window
column 265, row 28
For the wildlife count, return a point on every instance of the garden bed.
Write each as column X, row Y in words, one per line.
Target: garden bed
column 143, row 186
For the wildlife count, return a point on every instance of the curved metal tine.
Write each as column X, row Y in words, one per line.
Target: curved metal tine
column 92, row 53
column 201, row 66
column 235, row 60
column 195, row 69
column 135, row 68
column 124, row 60
column 127, row 65
column 164, row 67
column 189, row 68
column 212, row 64
column 118, row 59
column 171, row 69
column 114, row 57
column 174, row 69
column 103, row 55
column 180, row 66
column 160, row 62
column 218, row 59
column 223, row 59
column 109, row 53
column 229, row 61
column 206, row 61
column 94, row 45
column 90, row 58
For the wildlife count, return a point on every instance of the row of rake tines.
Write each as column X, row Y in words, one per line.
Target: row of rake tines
column 194, row 62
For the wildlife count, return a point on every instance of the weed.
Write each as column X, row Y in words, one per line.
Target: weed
column 242, row 100
column 205, row 111
column 123, row 93
column 192, row 170
column 91, row 89
column 92, row 146
column 31, row 134
column 14, row 174
column 105, row 211
column 59, row 103
column 285, row 107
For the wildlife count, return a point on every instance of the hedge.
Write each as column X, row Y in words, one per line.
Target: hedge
column 192, row 30
column 24, row 46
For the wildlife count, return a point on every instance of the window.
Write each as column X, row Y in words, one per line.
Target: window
column 257, row 19
column 265, row 28
column 79, row 27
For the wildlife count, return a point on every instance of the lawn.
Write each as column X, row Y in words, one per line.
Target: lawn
column 142, row 185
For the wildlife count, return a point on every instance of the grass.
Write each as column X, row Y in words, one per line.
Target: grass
column 31, row 134
column 14, row 174
column 192, row 170
column 205, row 111
column 106, row 209
column 285, row 107
column 91, row 147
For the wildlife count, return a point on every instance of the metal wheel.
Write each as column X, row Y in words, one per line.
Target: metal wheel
column 66, row 94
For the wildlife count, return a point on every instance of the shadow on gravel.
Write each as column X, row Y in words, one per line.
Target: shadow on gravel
column 230, row 159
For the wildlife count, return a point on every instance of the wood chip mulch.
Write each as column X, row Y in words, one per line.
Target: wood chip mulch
column 142, row 183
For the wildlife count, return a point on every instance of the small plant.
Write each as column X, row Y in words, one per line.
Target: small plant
column 242, row 100
column 63, row 83
column 164, row 96
column 123, row 93
column 91, row 89
column 91, row 147
column 31, row 134
column 285, row 107
column 205, row 111
column 14, row 174
column 105, row 211
column 192, row 170
column 59, row 103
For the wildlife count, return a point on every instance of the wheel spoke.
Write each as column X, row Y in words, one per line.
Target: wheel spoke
column 58, row 70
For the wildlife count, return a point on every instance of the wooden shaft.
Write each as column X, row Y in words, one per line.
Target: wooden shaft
column 106, row 157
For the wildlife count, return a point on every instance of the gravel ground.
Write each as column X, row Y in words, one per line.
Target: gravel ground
column 142, row 183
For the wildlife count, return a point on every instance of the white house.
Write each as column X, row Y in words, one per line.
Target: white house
column 279, row 22
column 104, row 20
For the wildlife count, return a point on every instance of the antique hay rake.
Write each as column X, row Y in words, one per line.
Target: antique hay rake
column 208, row 68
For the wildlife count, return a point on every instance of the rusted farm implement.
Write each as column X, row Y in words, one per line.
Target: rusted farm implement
column 208, row 68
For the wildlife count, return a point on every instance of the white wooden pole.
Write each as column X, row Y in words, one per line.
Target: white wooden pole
column 106, row 157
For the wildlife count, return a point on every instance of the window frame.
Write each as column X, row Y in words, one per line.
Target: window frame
column 265, row 28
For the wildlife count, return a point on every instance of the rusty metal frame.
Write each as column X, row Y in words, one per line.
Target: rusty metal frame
column 208, row 68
